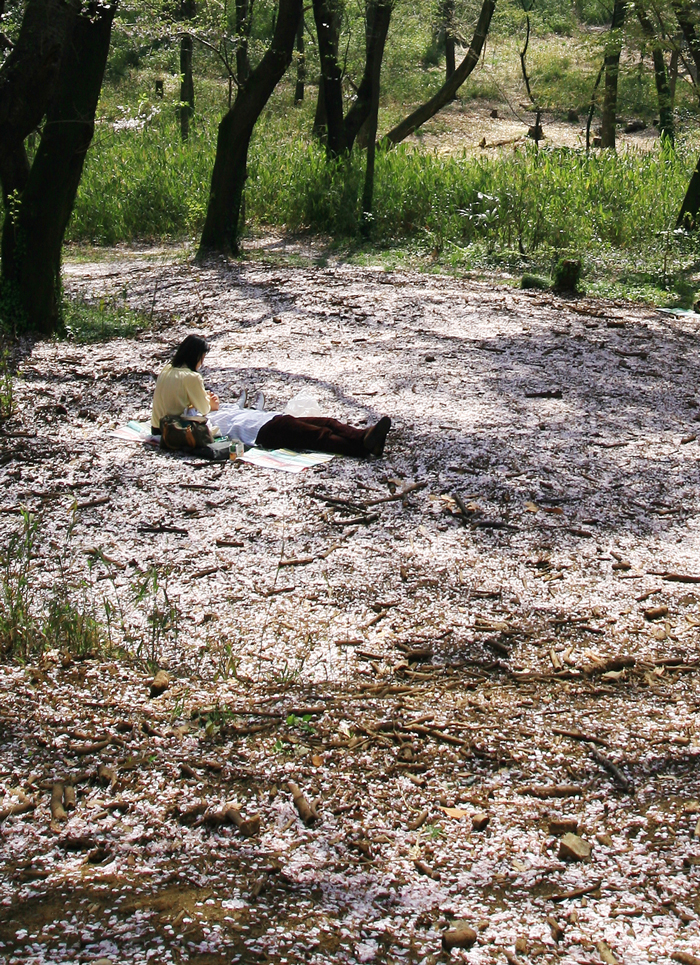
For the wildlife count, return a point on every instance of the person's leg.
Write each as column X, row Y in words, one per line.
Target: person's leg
column 315, row 433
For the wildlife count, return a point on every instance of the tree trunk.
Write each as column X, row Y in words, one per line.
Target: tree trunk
column 673, row 74
column 228, row 178
column 682, row 10
column 32, row 254
column 612, row 71
column 327, row 19
column 450, row 87
column 687, row 216
column 27, row 82
column 243, row 22
column 663, row 90
column 188, row 10
column 378, row 17
column 320, row 125
column 301, row 64
column 448, row 19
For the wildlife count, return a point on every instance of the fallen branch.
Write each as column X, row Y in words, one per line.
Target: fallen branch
column 307, row 812
column 575, row 892
column 14, row 809
column 577, row 735
column 612, row 769
column 412, row 488
column 552, row 790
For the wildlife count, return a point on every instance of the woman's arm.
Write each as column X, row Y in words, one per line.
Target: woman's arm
column 197, row 396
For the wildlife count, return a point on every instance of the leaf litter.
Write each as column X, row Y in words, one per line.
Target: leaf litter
column 453, row 727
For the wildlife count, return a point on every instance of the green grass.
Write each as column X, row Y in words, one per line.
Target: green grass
column 96, row 321
column 610, row 209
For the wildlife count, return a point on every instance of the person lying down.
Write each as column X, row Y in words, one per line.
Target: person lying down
column 180, row 391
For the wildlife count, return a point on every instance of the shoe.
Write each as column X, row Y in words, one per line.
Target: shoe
column 259, row 401
column 375, row 437
column 242, row 399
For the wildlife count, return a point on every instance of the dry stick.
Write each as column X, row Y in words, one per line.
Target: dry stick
column 611, row 768
column 575, row 892
column 17, row 809
column 592, row 108
column 577, row 735
column 685, row 958
column 57, row 810
column 307, row 812
column 303, row 560
column 412, row 488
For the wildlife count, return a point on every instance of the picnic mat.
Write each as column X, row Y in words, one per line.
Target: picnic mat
column 284, row 460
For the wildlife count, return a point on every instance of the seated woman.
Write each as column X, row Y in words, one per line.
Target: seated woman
column 180, row 390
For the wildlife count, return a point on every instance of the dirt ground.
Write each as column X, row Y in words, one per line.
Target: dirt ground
column 459, row 655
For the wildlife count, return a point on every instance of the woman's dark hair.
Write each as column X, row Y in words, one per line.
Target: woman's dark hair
column 190, row 351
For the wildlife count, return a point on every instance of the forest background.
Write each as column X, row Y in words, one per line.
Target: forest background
column 444, row 198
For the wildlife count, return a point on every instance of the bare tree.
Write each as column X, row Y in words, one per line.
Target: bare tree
column 342, row 131
column 663, row 89
column 613, row 49
column 188, row 10
column 450, row 87
column 301, row 63
column 378, row 16
column 235, row 130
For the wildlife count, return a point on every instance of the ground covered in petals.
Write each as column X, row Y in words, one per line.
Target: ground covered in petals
column 445, row 696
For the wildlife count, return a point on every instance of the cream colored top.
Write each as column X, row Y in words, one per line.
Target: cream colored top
column 177, row 390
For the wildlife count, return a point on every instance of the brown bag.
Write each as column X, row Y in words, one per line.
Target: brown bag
column 179, row 433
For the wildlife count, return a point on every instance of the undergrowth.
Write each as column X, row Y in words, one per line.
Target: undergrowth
column 527, row 207
column 96, row 321
column 69, row 613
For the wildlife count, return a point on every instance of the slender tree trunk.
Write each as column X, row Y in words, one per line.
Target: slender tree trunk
column 47, row 200
column 301, row 63
column 450, row 87
column 688, row 215
column 612, row 71
column 188, row 10
column 320, row 125
column 663, row 90
column 327, row 18
column 448, row 19
column 673, row 74
column 378, row 17
column 682, row 9
column 228, row 178
column 377, row 27
column 243, row 23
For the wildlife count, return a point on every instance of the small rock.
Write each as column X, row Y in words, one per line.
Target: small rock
column 429, row 358
column 521, row 945
column 655, row 612
column 277, row 319
column 559, row 826
column 604, row 839
column 480, row 821
column 459, row 936
column 573, row 848
column 160, row 684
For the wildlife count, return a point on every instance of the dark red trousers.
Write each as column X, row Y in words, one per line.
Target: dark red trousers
column 314, row 433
